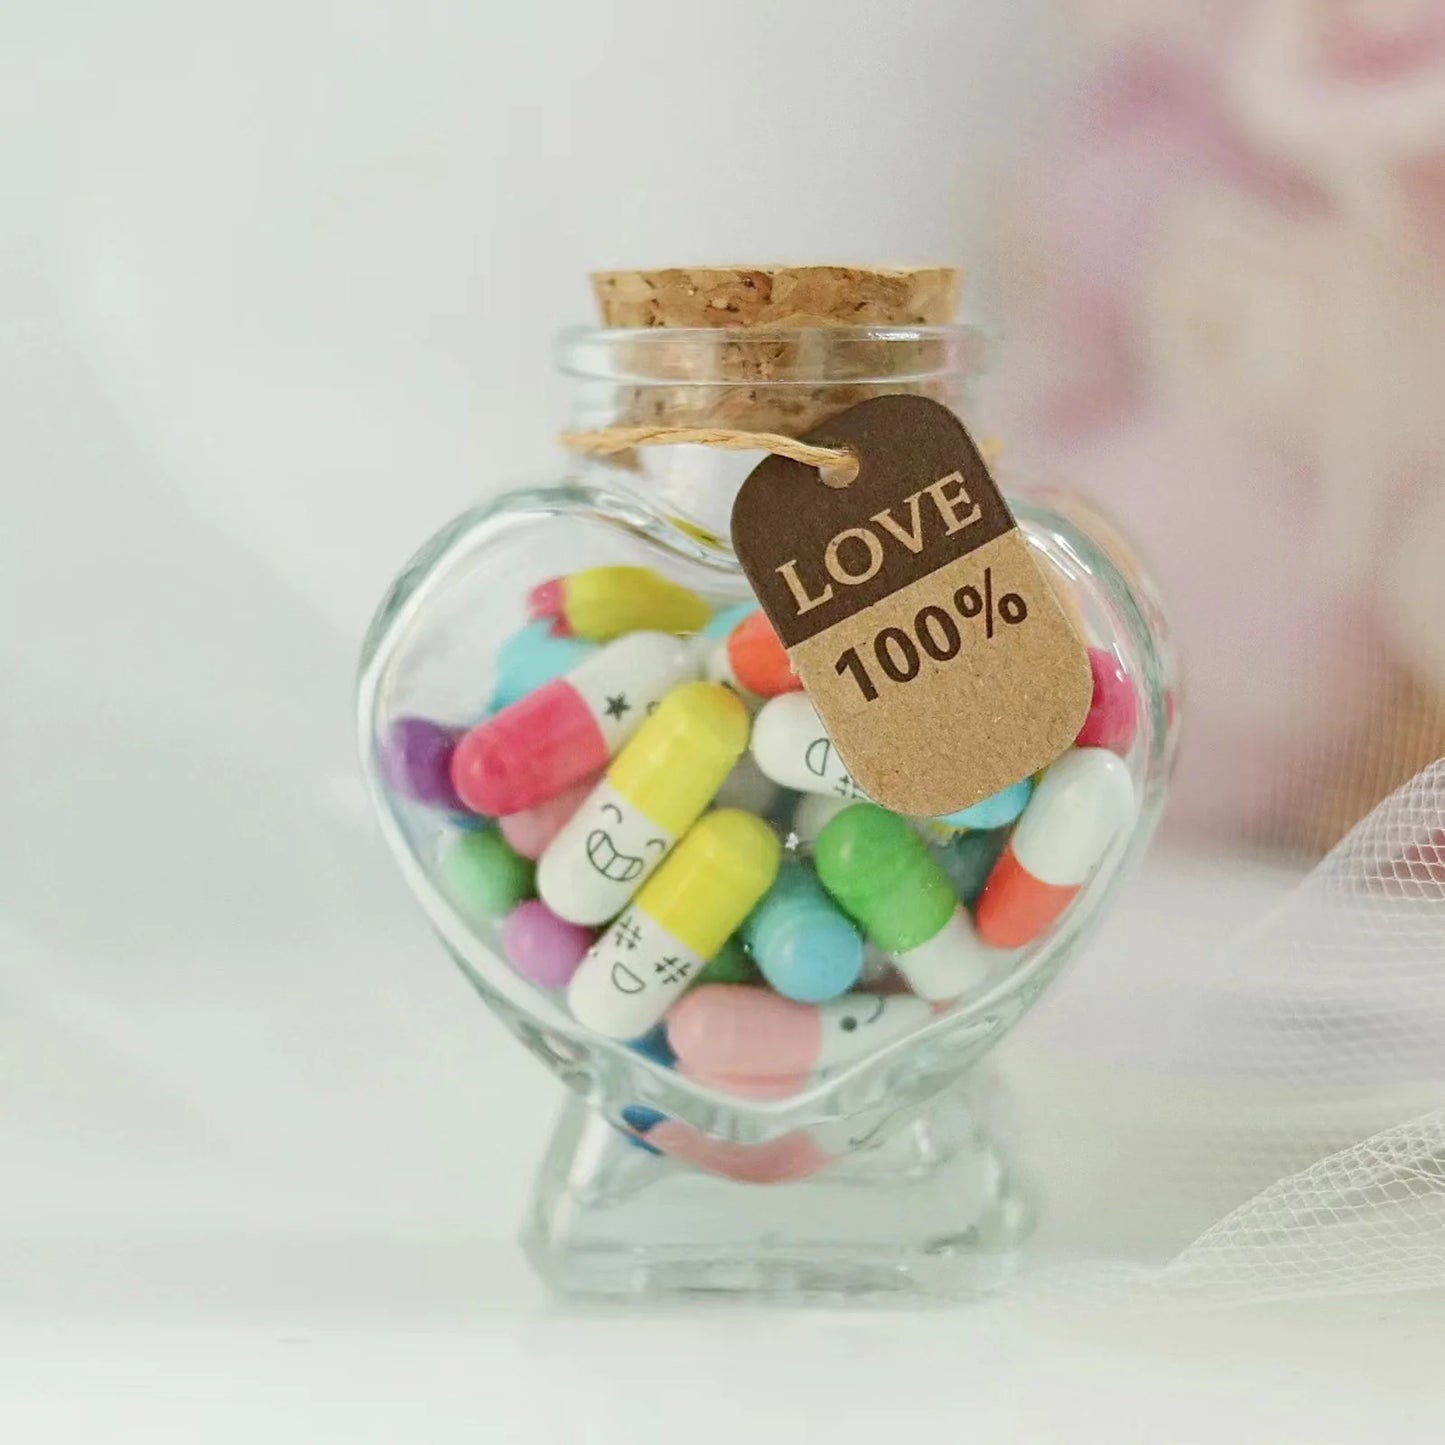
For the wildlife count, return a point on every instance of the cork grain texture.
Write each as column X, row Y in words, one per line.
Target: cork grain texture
column 750, row 381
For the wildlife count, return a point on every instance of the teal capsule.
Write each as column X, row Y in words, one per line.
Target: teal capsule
column 996, row 812
column 968, row 859
column 484, row 877
column 802, row 942
column 531, row 657
column 721, row 624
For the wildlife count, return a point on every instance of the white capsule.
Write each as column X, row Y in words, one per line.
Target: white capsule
column 632, row 973
column 621, row 683
column 951, row 963
column 604, row 853
column 859, row 1023
column 793, row 748
column 813, row 813
column 1083, row 801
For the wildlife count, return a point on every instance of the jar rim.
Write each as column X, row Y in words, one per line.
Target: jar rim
column 823, row 353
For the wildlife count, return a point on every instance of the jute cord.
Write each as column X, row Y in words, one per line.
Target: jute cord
column 836, row 466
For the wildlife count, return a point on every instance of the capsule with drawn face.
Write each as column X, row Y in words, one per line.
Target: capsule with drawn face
column 753, row 1041
column 655, row 790
column 683, row 915
column 791, row 745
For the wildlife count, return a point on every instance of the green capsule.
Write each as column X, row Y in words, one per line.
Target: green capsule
column 730, row 964
column 882, row 874
column 485, row 878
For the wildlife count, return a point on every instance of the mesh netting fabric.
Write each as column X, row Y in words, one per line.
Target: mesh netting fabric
column 1307, row 1069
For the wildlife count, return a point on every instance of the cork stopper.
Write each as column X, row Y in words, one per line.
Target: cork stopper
column 778, row 296
column 778, row 369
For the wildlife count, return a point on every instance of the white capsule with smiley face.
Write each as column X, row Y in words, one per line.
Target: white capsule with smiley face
column 655, row 790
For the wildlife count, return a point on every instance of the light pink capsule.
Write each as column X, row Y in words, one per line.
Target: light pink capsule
column 794, row 1156
column 745, row 1086
column 727, row 1030
column 529, row 831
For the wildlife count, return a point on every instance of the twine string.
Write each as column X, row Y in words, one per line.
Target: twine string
column 836, row 466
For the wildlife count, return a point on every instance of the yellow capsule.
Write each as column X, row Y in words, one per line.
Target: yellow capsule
column 655, row 790
column 604, row 602
column 674, row 766
column 713, row 880
column 683, row 916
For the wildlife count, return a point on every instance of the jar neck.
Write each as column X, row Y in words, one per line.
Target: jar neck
column 744, row 380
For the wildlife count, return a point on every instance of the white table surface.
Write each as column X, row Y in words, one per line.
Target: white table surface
column 272, row 1195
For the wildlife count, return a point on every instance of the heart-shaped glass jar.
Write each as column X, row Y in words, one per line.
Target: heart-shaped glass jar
column 646, row 1184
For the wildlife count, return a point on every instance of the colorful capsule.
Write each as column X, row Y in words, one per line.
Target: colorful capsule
column 483, row 876
column 531, row 658
column 730, row 964
column 721, row 624
column 801, row 941
column 791, row 745
column 530, row 831
column 881, row 872
column 753, row 659
column 968, row 859
column 655, row 790
column 1113, row 719
column 415, row 760
column 543, row 948
column 1080, row 806
column 569, row 728
column 724, row 1032
column 997, row 811
column 681, row 917
column 606, row 602
column 791, row 1157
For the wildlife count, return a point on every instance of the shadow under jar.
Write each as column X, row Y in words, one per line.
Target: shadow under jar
column 862, row 1161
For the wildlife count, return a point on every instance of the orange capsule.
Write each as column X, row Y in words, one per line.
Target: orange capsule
column 1082, row 803
column 752, row 657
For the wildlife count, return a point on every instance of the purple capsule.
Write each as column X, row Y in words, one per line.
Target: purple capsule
column 415, row 759
column 543, row 948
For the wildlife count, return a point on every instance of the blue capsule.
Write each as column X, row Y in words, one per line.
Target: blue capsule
column 639, row 1119
column 995, row 812
column 655, row 1046
column 802, row 942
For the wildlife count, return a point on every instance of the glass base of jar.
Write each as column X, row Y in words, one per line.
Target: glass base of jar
column 933, row 1212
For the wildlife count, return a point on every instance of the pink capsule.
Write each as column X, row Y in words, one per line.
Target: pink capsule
column 543, row 948
column 794, row 1156
column 1082, row 803
column 745, row 1086
column 529, row 831
column 731, row 1031
column 568, row 729
column 1113, row 718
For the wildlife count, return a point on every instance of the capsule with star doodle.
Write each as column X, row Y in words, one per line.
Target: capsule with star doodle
column 569, row 728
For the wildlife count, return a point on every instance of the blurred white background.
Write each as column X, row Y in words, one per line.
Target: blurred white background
column 276, row 299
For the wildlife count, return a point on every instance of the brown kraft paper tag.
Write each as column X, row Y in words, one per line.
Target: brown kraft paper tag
column 930, row 643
